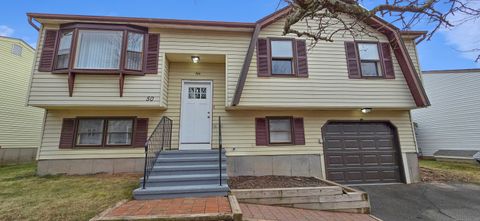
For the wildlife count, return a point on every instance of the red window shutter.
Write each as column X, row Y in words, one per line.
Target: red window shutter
column 302, row 65
column 48, row 51
column 67, row 135
column 263, row 57
column 299, row 131
column 261, row 131
column 141, row 132
column 352, row 60
column 387, row 61
column 151, row 61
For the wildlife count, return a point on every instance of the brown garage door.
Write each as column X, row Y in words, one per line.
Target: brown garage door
column 361, row 152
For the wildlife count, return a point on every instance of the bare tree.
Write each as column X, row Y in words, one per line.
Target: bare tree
column 326, row 18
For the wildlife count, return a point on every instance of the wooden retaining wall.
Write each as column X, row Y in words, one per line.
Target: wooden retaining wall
column 332, row 198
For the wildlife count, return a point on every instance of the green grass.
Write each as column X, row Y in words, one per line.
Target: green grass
column 25, row 196
column 452, row 171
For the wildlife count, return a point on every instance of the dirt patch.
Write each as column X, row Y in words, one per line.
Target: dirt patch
column 261, row 182
column 436, row 175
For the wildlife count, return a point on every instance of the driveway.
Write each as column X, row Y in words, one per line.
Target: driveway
column 425, row 201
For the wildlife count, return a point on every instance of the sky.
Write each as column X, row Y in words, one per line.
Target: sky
column 446, row 50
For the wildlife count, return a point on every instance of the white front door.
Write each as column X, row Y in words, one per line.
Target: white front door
column 195, row 115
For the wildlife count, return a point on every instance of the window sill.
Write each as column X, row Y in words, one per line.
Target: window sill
column 97, row 71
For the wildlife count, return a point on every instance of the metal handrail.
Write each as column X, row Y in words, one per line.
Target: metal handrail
column 220, row 146
column 159, row 140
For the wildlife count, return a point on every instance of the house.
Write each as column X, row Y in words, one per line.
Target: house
column 452, row 122
column 340, row 110
column 20, row 125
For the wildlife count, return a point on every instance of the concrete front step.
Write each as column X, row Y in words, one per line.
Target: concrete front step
column 171, row 153
column 185, row 180
column 180, row 191
column 187, row 169
column 189, row 160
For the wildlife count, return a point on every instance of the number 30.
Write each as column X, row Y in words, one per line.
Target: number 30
column 150, row 98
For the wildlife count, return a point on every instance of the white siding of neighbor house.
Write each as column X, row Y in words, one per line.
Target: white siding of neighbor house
column 452, row 122
column 327, row 85
column 20, row 125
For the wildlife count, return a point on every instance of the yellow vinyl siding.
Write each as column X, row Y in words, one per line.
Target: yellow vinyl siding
column 412, row 51
column 238, row 125
column 51, row 90
column 328, row 85
column 20, row 125
column 53, row 126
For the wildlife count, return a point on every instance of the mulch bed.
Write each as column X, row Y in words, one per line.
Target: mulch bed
column 261, row 182
column 429, row 175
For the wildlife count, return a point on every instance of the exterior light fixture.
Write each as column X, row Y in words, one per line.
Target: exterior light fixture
column 195, row 59
column 366, row 110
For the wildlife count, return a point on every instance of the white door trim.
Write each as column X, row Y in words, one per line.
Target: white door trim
column 187, row 146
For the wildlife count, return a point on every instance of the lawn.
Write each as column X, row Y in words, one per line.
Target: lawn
column 432, row 170
column 25, row 196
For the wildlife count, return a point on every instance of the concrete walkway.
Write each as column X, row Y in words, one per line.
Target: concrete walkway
column 260, row 212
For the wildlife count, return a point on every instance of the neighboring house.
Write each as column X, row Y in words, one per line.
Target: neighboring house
column 20, row 125
column 286, row 110
column 452, row 122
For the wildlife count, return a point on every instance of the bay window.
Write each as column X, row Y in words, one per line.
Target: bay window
column 98, row 48
column 369, row 59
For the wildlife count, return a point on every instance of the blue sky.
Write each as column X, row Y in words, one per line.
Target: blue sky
column 444, row 51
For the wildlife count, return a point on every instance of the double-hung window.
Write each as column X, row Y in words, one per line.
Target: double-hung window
column 369, row 60
column 282, row 57
column 64, row 47
column 104, row 132
column 280, row 130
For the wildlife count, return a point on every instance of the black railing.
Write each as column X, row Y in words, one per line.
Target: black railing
column 158, row 141
column 220, row 146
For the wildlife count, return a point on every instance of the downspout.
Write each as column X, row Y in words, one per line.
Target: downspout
column 30, row 21
column 246, row 65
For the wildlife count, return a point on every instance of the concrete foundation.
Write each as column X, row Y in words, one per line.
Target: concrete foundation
column 282, row 165
column 90, row 166
column 11, row 156
column 413, row 168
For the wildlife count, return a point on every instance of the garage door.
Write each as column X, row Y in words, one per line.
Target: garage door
column 361, row 152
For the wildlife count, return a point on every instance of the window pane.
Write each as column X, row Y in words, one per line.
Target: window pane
column 120, row 132
column 134, row 51
column 281, row 66
column 282, row 49
column 135, row 42
column 368, row 51
column 280, row 130
column 17, row 50
column 90, row 132
column 99, row 49
column 369, row 69
column 63, row 54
